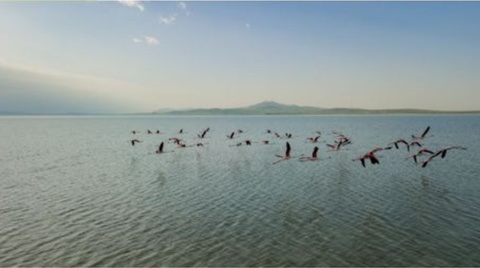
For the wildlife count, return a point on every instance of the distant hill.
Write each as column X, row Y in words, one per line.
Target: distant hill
column 274, row 108
column 263, row 108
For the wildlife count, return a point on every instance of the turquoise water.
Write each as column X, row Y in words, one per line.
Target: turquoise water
column 74, row 192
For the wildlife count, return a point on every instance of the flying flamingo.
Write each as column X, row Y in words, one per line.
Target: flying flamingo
column 419, row 153
column 310, row 158
column 160, row 148
column 287, row 154
column 442, row 153
column 424, row 134
column 203, row 134
column 401, row 141
column 336, row 146
column 407, row 144
column 371, row 155
column 135, row 141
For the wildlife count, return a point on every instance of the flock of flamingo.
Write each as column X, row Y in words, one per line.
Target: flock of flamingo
column 423, row 156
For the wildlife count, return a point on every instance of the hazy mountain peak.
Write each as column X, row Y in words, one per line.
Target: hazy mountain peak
column 267, row 104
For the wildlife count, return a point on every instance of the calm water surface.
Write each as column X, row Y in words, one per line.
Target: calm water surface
column 74, row 192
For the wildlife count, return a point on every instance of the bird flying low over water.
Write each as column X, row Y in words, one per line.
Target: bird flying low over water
column 201, row 136
column 407, row 144
column 422, row 157
column 160, row 149
column 313, row 157
column 442, row 153
column 287, row 154
column 247, row 142
column 399, row 142
column 419, row 153
column 416, row 143
column 338, row 144
column 424, row 134
column 135, row 141
column 371, row 156
column 287, row 151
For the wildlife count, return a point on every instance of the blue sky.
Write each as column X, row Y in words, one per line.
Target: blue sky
column 134, row 56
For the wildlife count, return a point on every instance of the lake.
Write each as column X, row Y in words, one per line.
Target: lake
column 75, row 192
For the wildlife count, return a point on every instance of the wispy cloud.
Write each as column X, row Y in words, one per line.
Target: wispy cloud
column 132, row 3
column 149, row 40
column 247, row 25
column 183, row 6
column 169, row 19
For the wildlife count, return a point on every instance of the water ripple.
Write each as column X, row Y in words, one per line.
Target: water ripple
column 107, row 203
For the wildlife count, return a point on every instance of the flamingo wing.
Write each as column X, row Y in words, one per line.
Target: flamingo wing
column 315, row 151
column 425, row 132
column 287, row 152
column 160, row 148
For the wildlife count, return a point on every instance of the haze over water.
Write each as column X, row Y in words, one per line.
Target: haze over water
column 74, row 192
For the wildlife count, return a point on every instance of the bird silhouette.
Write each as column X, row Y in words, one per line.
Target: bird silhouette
column 287, row 155
column 442, row 153
column 160, row 148
column 313, row 157
column 135, row 141
column 424, row 134
column 371, row 156
column 419, row 153
column 201, row 136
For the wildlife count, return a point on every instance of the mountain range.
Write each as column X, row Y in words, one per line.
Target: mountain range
column 274, row 108
column 262, row 108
